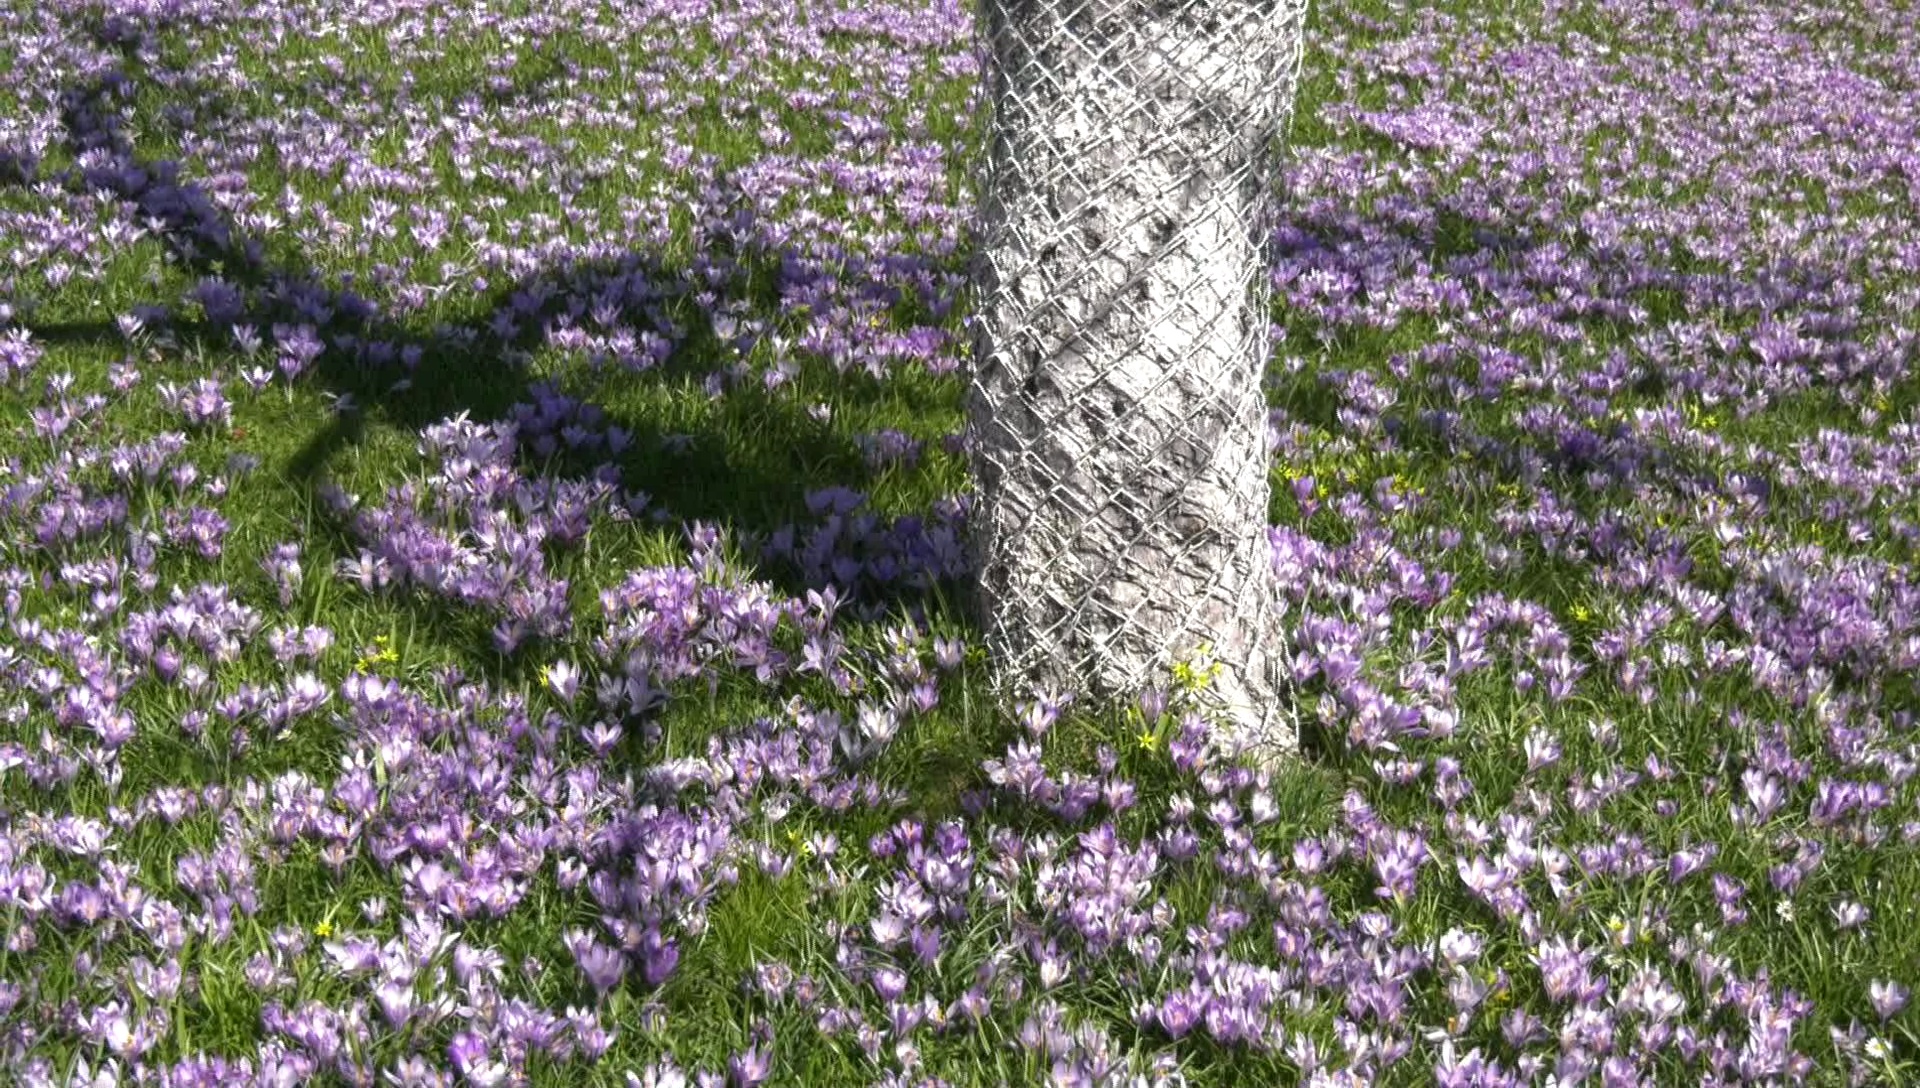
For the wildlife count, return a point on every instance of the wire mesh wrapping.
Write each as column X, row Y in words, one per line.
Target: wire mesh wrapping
column 1116, row 416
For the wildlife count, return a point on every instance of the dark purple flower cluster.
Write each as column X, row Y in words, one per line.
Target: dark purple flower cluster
column 477, row 533
column 868, row 557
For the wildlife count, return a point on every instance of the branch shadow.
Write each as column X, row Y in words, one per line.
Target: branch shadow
column 392, row 374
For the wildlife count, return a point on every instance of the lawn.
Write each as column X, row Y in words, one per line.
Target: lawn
column 482, row 505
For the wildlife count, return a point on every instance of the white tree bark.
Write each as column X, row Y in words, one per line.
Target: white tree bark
column 1117, row 416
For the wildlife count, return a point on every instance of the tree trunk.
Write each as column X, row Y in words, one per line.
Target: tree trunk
column 1117, row 415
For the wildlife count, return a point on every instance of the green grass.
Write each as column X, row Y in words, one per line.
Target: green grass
column 753, row 458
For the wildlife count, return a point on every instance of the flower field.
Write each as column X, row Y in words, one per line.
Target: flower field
column 482, row 505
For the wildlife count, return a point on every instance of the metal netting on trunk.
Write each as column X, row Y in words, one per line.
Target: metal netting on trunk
column 1117, row 419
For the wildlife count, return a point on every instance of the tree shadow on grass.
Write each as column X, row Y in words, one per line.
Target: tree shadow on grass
column 756, row 465
column 473, row 366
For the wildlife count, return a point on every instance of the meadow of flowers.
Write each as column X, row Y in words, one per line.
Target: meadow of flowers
column 482, row 497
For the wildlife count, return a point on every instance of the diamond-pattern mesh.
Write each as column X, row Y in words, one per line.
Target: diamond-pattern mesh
column 1116, row 414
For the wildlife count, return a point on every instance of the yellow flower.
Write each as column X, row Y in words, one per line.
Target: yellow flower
column 323, row 930
column 1147, row 741
column 1581, row 614
column 1197, row 671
